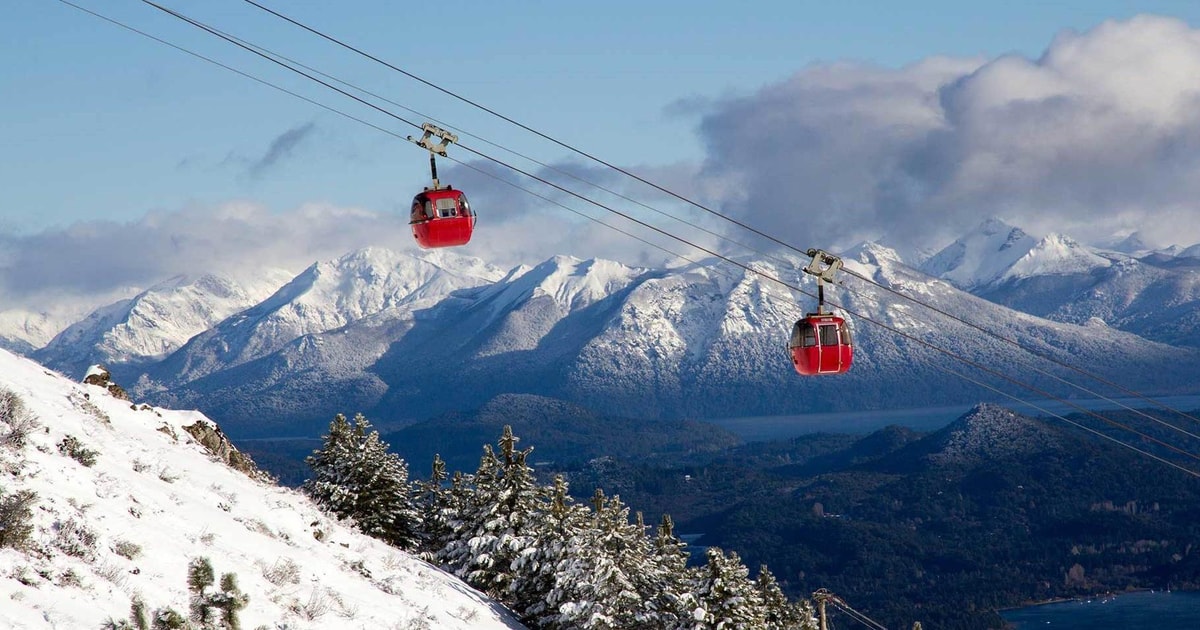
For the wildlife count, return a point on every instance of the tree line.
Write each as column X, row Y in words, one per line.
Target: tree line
column 555, row 563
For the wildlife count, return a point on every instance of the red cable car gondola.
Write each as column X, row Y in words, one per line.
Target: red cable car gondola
column 441, row 216
column 821, row 342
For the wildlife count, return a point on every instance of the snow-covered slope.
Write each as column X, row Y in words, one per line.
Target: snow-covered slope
column 155, row 322
column 154, row 500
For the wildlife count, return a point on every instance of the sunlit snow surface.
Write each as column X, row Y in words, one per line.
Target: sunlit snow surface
column 155, row 489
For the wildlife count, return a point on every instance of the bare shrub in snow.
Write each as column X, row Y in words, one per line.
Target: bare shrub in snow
column 140, row 466
column 318, row 605
column 127, row 549
column 258, row 526
column 112, row 573
column 168, row 475
column 73, row 448
column 16, row 420
column 88, row 407
column 16, row 518
column 75, row 539
column 284, row 571
column 70, row 578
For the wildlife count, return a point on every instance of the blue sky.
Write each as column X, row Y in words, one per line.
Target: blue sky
column 826, row 122
column 101, row 122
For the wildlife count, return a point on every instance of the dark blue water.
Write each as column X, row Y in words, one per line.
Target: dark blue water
column 1134, row 611
column 757, row 428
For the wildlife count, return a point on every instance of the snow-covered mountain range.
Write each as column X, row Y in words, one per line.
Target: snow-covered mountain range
column 1154, row 294
column 104, row 502
column 403, row 337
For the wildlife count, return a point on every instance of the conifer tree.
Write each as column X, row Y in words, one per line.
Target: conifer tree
column 215, row 609
column 675, row 602
column 436, row 504
column 726, row 595
column 780, row 613
column 593, row 585
column 356, row 477
column 539, row 589
column 493, row 537
column 199, row 578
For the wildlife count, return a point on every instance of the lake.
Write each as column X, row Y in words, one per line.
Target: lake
column 1160, row 610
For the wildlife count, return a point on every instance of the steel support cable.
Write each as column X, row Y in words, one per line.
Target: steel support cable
column 464, row 132
column 1049, row 358
column 700, row 206
column 1026, row 363
column 715, row 254
column 841, row 605
column 373, row 126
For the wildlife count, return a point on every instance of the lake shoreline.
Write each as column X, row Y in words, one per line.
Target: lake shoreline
column 1136, row 609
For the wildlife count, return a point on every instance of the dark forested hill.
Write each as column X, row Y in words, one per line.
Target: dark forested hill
column 994, row 510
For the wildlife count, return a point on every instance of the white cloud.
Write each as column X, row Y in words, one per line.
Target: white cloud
column 1099, row 135
column 94, row 260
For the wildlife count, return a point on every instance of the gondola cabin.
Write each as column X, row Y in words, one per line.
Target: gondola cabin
column 442, row 218
column 821, row 344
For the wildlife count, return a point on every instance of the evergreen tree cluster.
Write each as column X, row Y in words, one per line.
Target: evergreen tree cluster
column 555, row 563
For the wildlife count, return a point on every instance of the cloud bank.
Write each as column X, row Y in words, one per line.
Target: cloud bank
column 105, row 257
column 1099, row 135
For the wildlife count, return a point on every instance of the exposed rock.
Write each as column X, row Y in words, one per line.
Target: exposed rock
column 98, row 375
column 212, row 438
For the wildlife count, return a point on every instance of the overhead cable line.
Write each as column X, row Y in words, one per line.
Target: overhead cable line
column 1098, row 378
column 373, row 126
column 744, row 266
column 550, row 167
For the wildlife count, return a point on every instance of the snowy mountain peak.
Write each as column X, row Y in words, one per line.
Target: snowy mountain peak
column 119, row 501
column 1190, row 252
column 574, row 283
column 1055, row 254
column 155, row 322
column 1131, row 244
column 981, row 256
column 872, row 255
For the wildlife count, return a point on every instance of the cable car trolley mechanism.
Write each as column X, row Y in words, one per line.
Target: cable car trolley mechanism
column 820, row 342
column 441, row 216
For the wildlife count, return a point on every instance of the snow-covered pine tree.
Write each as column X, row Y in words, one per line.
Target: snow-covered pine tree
column 436, row 503
column 596, row 578
column 540, row 589
column 674, row 601
column 780, row 613
column 494, row 536
column 356, row 477
column 726, row 595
